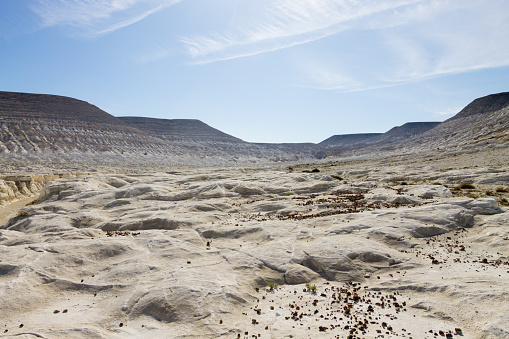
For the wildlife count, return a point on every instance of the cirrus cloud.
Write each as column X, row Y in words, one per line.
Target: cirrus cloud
column 96, row 17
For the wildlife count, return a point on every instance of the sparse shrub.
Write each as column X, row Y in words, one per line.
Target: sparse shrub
column 503, row 202
column 404, row 183
column 272, row 285
column 501, row 190
column 466, row 186
column 315, row 170
column 472, row 195
column 490, row 193
column 397, row 203
column 311, row 288
column 22, row 214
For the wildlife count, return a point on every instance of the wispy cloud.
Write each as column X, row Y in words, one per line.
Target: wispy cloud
column 96, row 17
column 158, row 52
column 429, row 40
column 285, row 23
column 410, row 40
column 450, row 111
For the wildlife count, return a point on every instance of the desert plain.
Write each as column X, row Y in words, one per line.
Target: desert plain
column 408, row 246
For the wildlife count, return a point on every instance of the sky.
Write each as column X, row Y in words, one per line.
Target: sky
column 261, row 70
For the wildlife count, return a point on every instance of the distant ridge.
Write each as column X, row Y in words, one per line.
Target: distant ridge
column 483, row 122
column 396, row 137
column 52, row 128
column 410, row 129
column 44, row 127
column 349, row 139
column 398, row 133
column 179, row 129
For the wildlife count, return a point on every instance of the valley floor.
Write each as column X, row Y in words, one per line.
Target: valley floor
column 410, row 246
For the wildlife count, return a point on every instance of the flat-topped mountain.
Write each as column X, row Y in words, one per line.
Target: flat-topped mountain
column 52, row 125
column 179, row 129
column 52, row 107
column 405, row 131
column 57, row 128
column 40, row 122
column 348, row 140
column 484, row 105
column 485, row 121
column 395, row 138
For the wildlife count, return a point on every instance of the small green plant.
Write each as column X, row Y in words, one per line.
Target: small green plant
column 272, row 285
column 397, row 203
column 503, row 202
column 490, row 193
column 472, row 195
column 311, row 288
column 466, row 186
column 22, row 214
column 501, row 190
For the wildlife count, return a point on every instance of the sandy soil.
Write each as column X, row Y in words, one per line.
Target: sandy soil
column 11, row 210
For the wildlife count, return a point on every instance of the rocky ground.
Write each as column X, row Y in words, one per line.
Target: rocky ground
column 407, row 246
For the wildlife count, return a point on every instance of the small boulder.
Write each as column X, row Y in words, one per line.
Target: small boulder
column 298, row 274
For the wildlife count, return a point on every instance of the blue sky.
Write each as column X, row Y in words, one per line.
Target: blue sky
column 261, row 70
